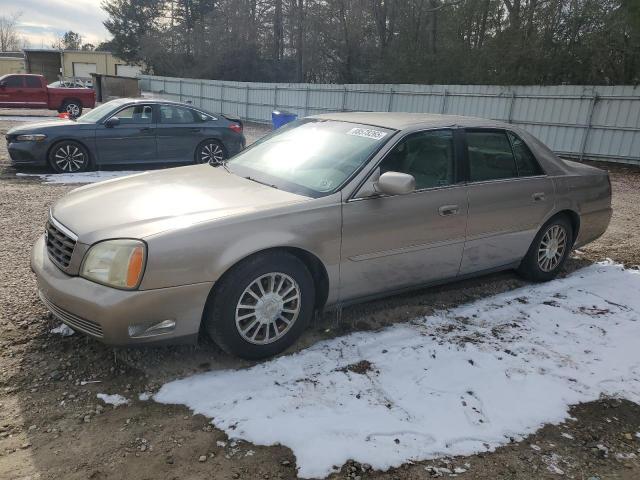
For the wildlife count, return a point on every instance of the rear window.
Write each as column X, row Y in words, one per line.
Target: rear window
column 490, row 156
column 32, row 82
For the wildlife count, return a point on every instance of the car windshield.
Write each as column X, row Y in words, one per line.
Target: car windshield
column 310, row 157
column 100, row 112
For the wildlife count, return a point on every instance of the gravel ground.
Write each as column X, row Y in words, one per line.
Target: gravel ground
column 52, row 426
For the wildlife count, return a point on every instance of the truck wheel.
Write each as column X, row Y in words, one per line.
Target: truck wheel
column 69, row 157
column 261, row 306
column 73, row 108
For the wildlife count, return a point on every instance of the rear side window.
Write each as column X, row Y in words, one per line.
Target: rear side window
column 13, row 82
column 490, row 156
column 527, row 164
column 32, row 82
column 171, row 114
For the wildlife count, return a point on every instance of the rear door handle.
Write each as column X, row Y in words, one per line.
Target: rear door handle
column 538, row 197
column 447, row 210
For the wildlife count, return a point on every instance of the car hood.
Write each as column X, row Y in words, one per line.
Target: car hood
column 149, row 203
column 41, row 126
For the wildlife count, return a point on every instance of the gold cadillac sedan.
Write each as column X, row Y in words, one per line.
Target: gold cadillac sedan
column 329, row 210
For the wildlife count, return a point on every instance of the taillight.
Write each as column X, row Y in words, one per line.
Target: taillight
column 236, row 127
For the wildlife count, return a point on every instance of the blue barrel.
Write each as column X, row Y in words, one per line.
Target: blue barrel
column 280, row 118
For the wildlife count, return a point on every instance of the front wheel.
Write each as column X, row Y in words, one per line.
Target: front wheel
column 261, row 306
column 549, row 251
column 211, row 151
column 69, row 157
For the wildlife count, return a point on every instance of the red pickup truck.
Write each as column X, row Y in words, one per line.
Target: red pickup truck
column 31, row 91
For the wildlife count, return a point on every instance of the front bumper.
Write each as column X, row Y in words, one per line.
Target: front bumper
column 107, row 313
column 28, row 153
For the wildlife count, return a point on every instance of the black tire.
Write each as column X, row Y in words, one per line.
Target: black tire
column 72, row 107
column 223, row 304
column 542, row 270
column 69, row 157
column 210, row 151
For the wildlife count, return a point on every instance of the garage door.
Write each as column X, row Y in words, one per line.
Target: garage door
column 128, row 70
column 83, row 70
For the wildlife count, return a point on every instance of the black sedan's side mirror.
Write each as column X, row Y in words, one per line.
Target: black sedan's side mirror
column 112, row 122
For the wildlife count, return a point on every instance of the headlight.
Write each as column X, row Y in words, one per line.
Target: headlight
column 116, row 263
column 36, row 137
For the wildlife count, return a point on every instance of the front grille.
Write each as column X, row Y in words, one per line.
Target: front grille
column 75, row 322
column 59, row 245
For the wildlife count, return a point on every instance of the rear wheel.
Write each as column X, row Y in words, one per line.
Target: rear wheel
column 211, row 151
column 261, row 306
column 549, row 251
column 69, row 157
column 72, row 107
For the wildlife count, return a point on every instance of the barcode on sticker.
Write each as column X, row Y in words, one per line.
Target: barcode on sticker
column 367, row 133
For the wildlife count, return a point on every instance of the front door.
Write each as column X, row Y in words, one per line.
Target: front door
column 393, row 242
column 12, row 93
column 133, row 140
column 509, row 199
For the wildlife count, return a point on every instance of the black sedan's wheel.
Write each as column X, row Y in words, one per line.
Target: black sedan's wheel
column 211, row 151
column 73, row 108
column 549, row 251
column 261, row 306
column 69, row 157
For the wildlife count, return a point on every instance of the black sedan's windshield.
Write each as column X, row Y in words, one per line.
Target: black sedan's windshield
column 310, row 157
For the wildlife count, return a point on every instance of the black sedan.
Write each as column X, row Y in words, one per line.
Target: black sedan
column 127, row 131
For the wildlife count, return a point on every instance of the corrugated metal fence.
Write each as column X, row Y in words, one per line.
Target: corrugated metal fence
column 595, row 122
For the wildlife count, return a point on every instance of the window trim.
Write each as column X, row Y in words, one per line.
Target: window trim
column 467, row 164
column 458, row 164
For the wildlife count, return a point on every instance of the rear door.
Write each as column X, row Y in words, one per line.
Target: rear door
column 509, row 199
column 12, row 92
column 179, row 131
column 133, row 140
column 36, row 93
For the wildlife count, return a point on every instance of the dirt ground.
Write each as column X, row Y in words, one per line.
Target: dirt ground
column 52, row 426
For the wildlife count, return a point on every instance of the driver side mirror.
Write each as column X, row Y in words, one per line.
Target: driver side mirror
column 396, row 183
column 112, row 122
column 3, row 84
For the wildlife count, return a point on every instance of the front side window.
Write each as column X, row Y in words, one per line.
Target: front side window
column 172, row 114
column 32, row 82
column 527, row 164
column 427, row 156
column 13, row 82
column 490, row 156
column 136, row 114
column 310, row 157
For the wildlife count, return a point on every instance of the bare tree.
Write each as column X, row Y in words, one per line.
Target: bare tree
column 10, row 38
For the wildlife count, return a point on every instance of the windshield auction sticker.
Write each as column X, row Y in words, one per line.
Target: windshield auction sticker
column 367, row 133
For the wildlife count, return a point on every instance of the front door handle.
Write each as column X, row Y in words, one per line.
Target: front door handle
column 538, row 197
column 447, row 210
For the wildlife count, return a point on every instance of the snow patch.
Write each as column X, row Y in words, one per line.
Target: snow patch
column 115, row 400
column 454, row 383
column 64, row 330
column 143, row 397
column 82, row 177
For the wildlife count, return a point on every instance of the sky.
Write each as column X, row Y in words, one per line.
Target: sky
column 44, row 20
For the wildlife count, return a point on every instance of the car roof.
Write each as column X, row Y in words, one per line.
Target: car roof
column 400, row 121
column 160, row 101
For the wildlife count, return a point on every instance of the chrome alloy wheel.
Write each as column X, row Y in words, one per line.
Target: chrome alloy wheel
column 268, row 308
column 73, row 110
column 70, row 158
column 211, row 153
column 552, row 248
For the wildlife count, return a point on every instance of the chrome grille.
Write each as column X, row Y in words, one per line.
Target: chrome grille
column 75, row 322
column 59, row 245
